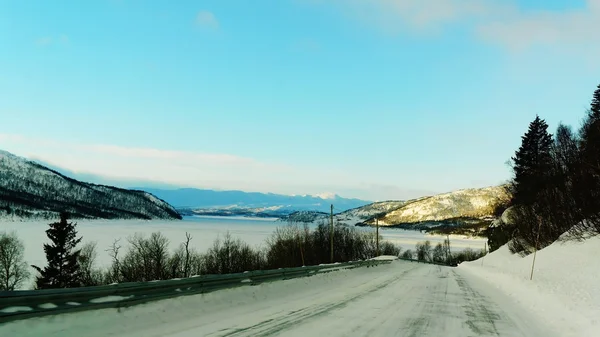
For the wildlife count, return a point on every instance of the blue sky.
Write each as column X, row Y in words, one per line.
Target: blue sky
column 384, row 99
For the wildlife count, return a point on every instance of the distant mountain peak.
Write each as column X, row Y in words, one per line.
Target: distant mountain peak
column 326, row 196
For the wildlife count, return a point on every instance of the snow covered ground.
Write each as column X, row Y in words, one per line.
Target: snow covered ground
column 564, row 292
column 399, row 299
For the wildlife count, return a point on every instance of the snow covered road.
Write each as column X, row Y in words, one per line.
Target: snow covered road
column 399, row 299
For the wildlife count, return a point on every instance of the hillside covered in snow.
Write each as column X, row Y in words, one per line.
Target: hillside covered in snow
column 469, row 208
column 467, row 203
column 30, row 190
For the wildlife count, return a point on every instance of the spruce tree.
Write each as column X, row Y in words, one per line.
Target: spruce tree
column 587, row 189
column 62, row 270
column 532, row 163
column 532, row 168
column 590, row 132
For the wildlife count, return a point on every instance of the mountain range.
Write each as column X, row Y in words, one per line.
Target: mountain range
column 191, row 201
column 29, row 189
column 201, row 201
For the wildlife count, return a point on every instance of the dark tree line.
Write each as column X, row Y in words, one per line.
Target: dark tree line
column 556, row 185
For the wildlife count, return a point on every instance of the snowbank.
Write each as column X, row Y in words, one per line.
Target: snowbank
column 385, row 258
column 565, row 290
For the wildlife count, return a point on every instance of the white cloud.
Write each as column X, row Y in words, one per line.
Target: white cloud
column 521, row 30
column 197, row 169
column 207, row 19
column 495, row 21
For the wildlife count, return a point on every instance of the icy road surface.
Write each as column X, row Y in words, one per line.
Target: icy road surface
column 400, row 299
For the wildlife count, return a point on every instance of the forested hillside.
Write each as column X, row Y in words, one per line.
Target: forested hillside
column 28, row 189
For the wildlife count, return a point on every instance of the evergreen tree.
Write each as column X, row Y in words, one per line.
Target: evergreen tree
column 63, row 269
column 532, row 163
column 590, row 133
column 587, row 188
column 556, row 204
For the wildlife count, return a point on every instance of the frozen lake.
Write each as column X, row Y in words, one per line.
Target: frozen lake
column 204, row 231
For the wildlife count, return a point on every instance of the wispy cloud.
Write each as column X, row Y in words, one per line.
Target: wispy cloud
column 52, row 40
column 520, row 30
column 196, row 169
column 209, row 170
column 207, row 19
column 495, row 21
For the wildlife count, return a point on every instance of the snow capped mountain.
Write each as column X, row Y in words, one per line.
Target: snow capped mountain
column 326, row 196
column 28, row 189
column 201, row 199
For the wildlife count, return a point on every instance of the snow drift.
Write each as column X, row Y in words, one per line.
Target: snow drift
column 564, row 291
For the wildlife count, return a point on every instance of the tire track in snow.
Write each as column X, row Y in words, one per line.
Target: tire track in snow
column 482, row 319
column 275, row 325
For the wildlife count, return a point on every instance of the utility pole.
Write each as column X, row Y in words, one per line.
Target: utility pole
column 447, row 244
column 331, row 232
column 301, row 252
column 537, row 239
column 377, row 234
column 484, row 251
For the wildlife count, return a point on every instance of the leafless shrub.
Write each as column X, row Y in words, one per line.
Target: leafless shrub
column 146, row 259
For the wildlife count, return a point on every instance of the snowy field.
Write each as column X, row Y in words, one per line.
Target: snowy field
column 204, row 231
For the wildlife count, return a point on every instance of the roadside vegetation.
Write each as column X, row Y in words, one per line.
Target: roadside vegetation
column 555, row 188
column 71, row 263
column 441, row 253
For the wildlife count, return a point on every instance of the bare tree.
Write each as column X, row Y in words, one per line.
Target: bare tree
column 13, row 270
column 114, row 273
column 186, row 264
column 146, row 259
column 90, row 276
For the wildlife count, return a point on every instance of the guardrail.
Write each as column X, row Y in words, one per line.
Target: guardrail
column 16, row 305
